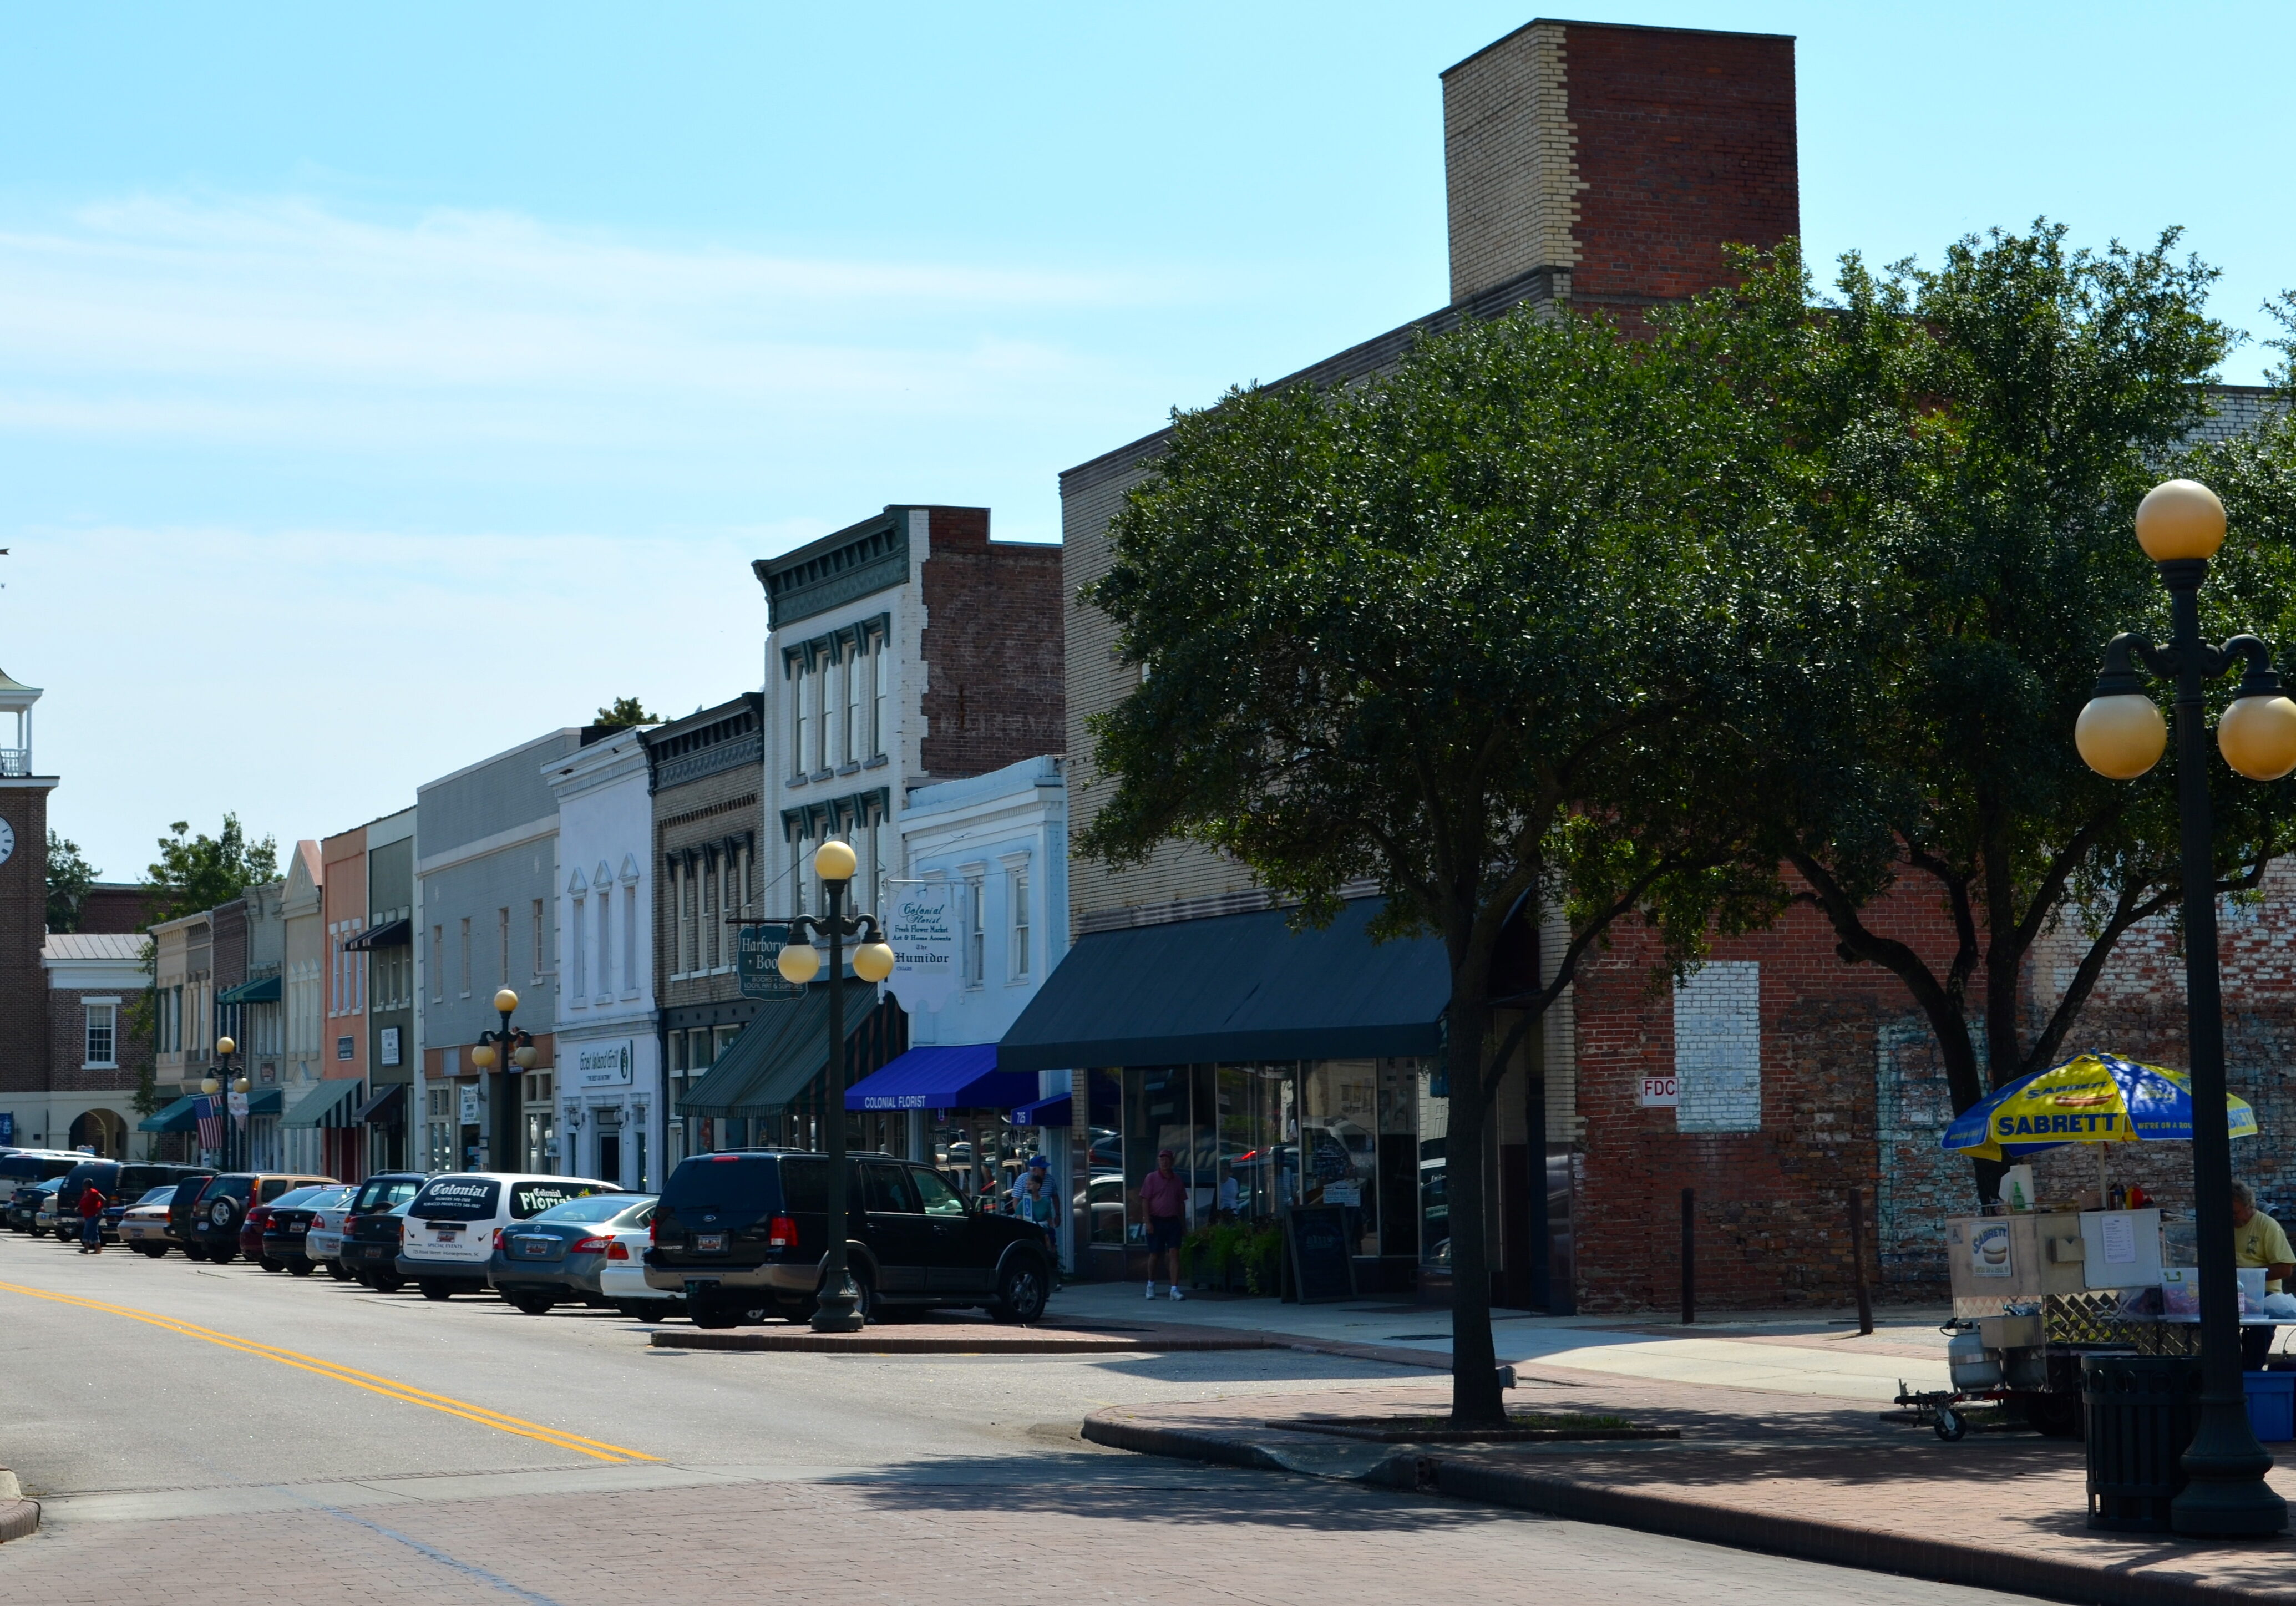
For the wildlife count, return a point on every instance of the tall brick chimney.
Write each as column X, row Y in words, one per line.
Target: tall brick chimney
column 1617, row 162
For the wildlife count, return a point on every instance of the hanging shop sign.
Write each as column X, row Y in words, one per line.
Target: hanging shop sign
column 920, row 926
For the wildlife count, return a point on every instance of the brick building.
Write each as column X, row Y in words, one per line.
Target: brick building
column 1588, row 165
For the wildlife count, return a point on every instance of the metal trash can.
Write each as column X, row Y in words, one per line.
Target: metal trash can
column 2142, row 1411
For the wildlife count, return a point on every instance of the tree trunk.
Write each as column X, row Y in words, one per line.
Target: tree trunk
column 1476, row 1401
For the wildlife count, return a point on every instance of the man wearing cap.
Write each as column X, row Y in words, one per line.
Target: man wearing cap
column 1164, row 1196
column 2257, row 1241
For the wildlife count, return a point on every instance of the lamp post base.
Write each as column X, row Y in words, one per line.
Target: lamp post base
column 2227, row 1497
column 840, row 1312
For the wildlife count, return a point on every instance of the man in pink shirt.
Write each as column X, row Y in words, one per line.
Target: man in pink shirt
column 1165, row 1197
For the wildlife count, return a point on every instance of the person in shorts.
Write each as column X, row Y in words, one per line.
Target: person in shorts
column 1164, row 1196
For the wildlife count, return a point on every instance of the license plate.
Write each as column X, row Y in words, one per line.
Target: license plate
column 535, row 1247
column 446, row 1237
column 710, row 1243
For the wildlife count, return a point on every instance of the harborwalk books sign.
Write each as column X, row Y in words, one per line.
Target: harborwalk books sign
column 920, row 926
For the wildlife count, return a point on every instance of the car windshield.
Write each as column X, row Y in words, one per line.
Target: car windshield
column 381, row 1193
column 598, row 1207
column 332, row 1198
column 721, row 1184
column 49, row 1187
column 296, row 1196
column 158, row 1196
column 457, row 1199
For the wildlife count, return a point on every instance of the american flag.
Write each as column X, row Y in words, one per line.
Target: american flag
column 210, row 1108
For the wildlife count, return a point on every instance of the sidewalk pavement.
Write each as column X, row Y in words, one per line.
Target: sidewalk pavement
column 1814, row 1353
column 1789, row 1473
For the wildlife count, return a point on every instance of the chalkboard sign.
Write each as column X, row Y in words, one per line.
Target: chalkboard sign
column 1323, row 1255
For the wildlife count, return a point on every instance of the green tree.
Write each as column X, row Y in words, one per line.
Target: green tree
column 195, row 874
column 1968, row 443
column 623, row 713
column 1469, row 629
column 70, row 876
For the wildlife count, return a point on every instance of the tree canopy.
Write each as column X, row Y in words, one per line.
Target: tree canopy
column 623, row 713
column 193, row 873
column 70, row 876
column 1470, row 630
column 1969, row 442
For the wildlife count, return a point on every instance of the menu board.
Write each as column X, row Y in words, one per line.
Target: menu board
column 1322, row 1253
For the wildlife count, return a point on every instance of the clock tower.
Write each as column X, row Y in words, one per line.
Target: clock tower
column 24, row 1049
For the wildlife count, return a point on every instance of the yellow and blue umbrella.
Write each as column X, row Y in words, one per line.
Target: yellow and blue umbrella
column 2093, row 1099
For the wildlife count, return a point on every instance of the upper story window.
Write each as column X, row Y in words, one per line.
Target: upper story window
column 976, row 930
column 438, row 964
column 1016, row 891
column 801, row 697
column 103, row 1047
column 881, row 665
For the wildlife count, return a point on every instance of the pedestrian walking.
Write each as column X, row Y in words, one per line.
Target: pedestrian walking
column 91, row 1219
column 2257, row 1240
column 1037, row 1202
column 1164, row 1196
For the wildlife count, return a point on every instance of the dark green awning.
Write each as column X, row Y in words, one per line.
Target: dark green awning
column 1234, row 988
column 324, row 1104
column 778, row 1055
column 182, row 1116
column 266, row 991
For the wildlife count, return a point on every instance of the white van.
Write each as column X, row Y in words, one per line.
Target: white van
column 451, row 1224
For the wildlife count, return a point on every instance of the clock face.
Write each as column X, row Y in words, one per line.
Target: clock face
column 7, row 841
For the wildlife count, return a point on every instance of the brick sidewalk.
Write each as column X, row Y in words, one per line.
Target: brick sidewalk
column 1774, row 1472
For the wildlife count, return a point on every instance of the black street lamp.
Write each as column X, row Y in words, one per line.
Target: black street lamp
column 838, row 1309
column 2120, row 735
column 506, row 1053
column 210, row 1086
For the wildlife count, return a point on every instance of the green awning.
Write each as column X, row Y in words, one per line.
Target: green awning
column 778, row 1055
column 1234, row 988
column 182, row 1116
column 265, row 1103
column 327, row 1104
column 266, row 991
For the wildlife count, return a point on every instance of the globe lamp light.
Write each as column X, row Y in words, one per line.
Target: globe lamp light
column 506, row 1002
column 209, row 1085
column 799, row 963
column 226, row 1048
column 2122, row 736
column 2181, row 518
column 2257, row 736
column 872, row 962
column 526, row 1055
column 834, row 861
column 483, row 1056
column 240, row 1085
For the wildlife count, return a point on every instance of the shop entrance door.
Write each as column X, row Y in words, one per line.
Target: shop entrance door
column 608, row 1167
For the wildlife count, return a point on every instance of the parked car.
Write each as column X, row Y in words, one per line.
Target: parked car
column 24, row 1206
column 180, row 1211
column 323, row 1239
column 21, row 1167
column 46, row 1221
column 286, row 1224
column 134, row 1223
column 117, row 1180
column 257, row 1233
column 225, row 1201
column 743, row 1233
column 449, row 1233
column 142, row 1227
column 372, row 1227
column 563, row 1256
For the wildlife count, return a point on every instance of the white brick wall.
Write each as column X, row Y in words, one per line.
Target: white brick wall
column 1717, row 1048
column 1511, row 163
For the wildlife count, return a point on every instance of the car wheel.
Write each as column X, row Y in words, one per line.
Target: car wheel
column 710, row 1310
column 643, row 1310
column 533, row 1304
column 153, row 1251
column 385, row 1282
column 272, row 1263
column 335, row 1269
column 196, row 1251
column 864, row 1298
column 1022, row 1291
column 300, row 1267
column 221, row 1256
column 433, row 1290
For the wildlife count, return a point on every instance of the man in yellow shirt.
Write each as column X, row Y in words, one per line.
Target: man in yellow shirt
column 2257, row 1241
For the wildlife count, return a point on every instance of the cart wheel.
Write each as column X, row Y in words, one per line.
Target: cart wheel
column 1949, row 1425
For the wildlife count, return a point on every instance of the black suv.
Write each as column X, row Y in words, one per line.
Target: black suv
column 21, row 1175
column 184, row 1207
column 370, row 1251
column 744, row 1233
column 118, row 1181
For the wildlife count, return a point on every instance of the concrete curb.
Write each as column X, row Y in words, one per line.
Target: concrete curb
column 18, row 1515
column 1940, row 1560
column 877, row 1342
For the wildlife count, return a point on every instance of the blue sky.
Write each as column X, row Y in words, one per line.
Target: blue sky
column 379, row 386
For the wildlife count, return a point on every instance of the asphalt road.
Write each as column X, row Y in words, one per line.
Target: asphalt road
column 200, row 1433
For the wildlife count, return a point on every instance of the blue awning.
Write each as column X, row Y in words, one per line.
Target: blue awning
column 964, row 1077
column 1046, row 1112
column 182, row 1116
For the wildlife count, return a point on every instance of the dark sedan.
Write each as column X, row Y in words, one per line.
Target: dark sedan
column 288, row 1223
column 563, row 1255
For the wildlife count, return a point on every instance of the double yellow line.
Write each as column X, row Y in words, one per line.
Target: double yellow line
column 356, row 1378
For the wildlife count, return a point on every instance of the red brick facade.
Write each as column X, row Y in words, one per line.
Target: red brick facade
column 23, row 931
column 994, row 692
column 1684, row 142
